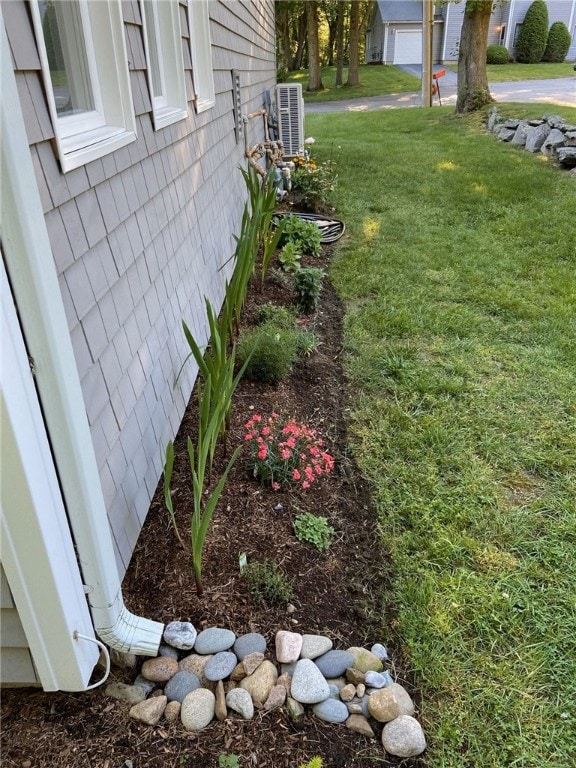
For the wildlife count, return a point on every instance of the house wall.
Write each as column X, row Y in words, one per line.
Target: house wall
column 17, row 665
column 138, row 238
column 511, row 14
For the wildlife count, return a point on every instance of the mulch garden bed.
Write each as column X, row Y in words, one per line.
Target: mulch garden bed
column 340, row 592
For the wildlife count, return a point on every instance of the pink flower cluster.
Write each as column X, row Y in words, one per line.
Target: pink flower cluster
column 286, row 453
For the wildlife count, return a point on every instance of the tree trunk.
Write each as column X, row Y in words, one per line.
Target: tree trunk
column 301, row 40
column 314, row 77
column 353, row 78
column 340, row 42
column 285, row 60
column 473, row 91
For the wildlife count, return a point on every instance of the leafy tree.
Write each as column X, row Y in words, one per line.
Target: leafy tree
column 559, row 40
column 533, row 35
column 473, row 90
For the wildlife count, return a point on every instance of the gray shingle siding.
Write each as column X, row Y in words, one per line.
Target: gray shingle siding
column 138, row 239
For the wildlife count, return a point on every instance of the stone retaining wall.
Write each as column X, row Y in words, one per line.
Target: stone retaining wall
column 550, row 135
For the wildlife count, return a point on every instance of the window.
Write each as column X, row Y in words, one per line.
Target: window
column 517, row 29
column 201, row 51
column 502, row 40
column 85, row 73
column 163, row 43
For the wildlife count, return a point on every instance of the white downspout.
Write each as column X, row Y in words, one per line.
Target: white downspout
column 509, row 26
column 35, row 285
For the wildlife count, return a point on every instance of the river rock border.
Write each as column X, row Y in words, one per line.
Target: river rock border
column 550, row 135
column 214, row 674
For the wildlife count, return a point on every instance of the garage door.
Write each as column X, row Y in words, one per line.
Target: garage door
column 408, row 48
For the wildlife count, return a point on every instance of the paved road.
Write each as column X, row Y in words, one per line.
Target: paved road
column 561, row 91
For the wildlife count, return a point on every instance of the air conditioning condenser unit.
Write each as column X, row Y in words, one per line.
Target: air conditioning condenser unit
column 290, row 108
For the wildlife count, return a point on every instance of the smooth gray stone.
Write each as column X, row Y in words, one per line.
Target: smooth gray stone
column 359, row 706
column 331, row 711
column 197, row 709
column 146, row 685
column 308, row 684
column 314, row 646
column 288, row 669
column 168, row 650
column 179, row 686
column 253, row 642
column 379, row 651
column 240, row 701
column 334, row 663
column 133, row 694
column 403, row 737
column 378, row 679
column 220, row 665
column 334, row 691
column 214, row 640
column 180, row 634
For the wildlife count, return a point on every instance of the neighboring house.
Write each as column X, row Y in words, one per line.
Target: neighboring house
column 121, row 139
column 394, row 35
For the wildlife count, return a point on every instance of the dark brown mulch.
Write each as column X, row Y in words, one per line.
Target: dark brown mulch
column 340, row 592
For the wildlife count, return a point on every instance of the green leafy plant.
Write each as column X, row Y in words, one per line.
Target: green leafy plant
column 228, row 761
column 204, row 499
column 285, row 453
column 266, row 581
column 283, row 317
column 315, row 181
column 308, row 283
column 268, row 352
column 289, row 257
column 497, row 54
column 558, row 43
column 533, row 34
column 304, row 234
column 315, row 762
column 308, row 343
column 314, row 529
column 216, row 366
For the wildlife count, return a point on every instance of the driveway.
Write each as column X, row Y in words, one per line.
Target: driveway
column 561, row 91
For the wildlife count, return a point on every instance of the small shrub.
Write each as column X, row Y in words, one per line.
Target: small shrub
column 280, row 316
column 559, row 40
column 315, row 182
column 267, row 582
column 314, row 529
column 289, row 257
column 497, row 54
column 308, row 284
column 304, row 234
column 533, row 35
column 270, row 350
column 285, row 454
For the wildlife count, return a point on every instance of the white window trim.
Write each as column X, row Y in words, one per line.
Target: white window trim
column 86, row 137
column 201, row 53
column 172, row 105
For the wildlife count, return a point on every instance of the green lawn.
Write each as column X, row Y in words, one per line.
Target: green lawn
column 375, row 81
column 507, row 73
column 459, row 275
column 382, row 80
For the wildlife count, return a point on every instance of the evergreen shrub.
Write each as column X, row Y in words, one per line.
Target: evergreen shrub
column 533, row 35
column 559, row 40
column 497, row 54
